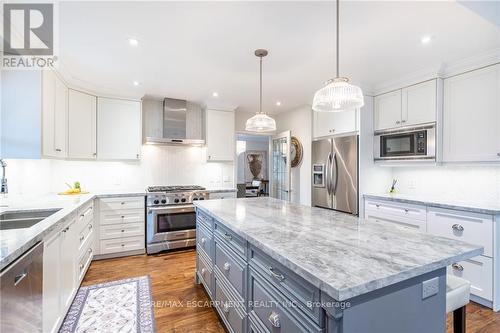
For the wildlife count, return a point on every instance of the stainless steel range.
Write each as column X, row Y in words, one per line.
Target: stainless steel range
column 171, row 217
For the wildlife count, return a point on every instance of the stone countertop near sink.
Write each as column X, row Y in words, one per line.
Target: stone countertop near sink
column 343, row 255
column 476, row 206
column 14, row 242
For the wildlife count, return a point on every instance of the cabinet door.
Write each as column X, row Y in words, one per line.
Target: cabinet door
column 119, row 134
column 330, row 123
column 54, row 115
column 471, row 116
column 419, row 103
column 51, row 283
column 387, row 111
column 220, row 135
column 81, row 125
column 68, row 263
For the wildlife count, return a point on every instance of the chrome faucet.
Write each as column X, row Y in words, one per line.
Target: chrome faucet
column 4, row 189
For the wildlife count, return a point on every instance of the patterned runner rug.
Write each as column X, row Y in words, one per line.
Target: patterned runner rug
column 117, row 306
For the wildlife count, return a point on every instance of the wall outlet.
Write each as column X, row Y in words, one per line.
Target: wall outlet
column 430, row 287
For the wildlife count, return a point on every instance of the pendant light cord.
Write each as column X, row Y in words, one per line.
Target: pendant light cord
column 260, row 107
column 338, row 25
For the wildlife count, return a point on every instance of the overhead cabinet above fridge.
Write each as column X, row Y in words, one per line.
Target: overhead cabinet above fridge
column 172, row 121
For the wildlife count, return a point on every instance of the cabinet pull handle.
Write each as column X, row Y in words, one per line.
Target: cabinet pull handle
column 203, row 270
column 274, row 319
column 227, row 266
column 122, row 203
column 19, row 278
column 225, row 308
column 498, row 154
column 377, row 205
column 406, row 210
column 58, row 150
column 203, row 240
column 90, row 251
column 398, row 122
column 227, row 236
column 458, row 267
column 277, row 276
column 90, row 226
column 457, row 227
column 81, row 266
column 81, row 238
column 123, row 244
column 403, row 121
column 123, row 216
column 123, row 230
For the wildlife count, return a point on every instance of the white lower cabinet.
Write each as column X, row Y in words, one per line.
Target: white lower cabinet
column 121, row 226
column 463, row 226
column 62, row 265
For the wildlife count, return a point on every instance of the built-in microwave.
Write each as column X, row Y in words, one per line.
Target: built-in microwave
column 416, row 143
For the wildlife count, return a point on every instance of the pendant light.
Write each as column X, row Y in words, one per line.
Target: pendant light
column 261, row 122
column 338, row 94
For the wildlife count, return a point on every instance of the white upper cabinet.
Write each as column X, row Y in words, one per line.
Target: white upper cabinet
column 81, row 125
column 471, row 116
column 331, row 123
column 387, row 110
column 54, row 115
column 410, row 106
column 220, row 135
column 419, row 103
column 119, row 129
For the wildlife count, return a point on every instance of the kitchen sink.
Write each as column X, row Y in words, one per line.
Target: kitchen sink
column 24, row 219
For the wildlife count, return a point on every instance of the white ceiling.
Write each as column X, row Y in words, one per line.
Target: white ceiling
column 188, row 50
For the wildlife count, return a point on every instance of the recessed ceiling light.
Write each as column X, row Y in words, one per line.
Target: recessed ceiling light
column 278, row 103
column 133, row 42
column 426, row 39
column 215, row 94
column 136, row 83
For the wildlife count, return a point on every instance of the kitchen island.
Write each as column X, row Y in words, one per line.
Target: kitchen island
column 274, row 266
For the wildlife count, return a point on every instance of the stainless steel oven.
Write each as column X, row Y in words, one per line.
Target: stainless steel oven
column 416, row 143
column 171, row 218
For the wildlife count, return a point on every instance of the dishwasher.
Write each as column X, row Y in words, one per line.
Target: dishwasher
column 21, row 285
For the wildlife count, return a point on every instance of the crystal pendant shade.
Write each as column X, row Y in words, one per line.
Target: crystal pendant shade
column 261, row 122
column 338, row 95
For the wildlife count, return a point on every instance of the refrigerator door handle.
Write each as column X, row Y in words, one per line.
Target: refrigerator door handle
column 335, row 165
column 327, row 175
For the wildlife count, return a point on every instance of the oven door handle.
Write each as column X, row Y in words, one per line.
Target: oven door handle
column 171, row 210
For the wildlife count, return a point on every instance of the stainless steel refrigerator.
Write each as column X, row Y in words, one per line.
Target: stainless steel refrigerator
column 335, row 173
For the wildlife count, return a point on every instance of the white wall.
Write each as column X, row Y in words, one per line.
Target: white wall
column 299, row 122
column 461, row 183
column 160, row 165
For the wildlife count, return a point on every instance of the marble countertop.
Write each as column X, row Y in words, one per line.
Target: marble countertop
column 343, row 255
column 476, row 206
column 14, row 242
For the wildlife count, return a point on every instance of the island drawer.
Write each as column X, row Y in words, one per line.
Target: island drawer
column 122, row 216
column 121, row 203
column 233, row 241
column 273, row 311
column 204, row 218
column 205, row 274
column 479, row 271
column 231, row 267
column 410, row 211
column 375, row 216
column 121, row 230
column 231, row 311
column 290, row 284
column 204, row 240
column 464, row 226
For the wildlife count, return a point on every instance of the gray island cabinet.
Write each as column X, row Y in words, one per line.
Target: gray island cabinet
column 273, row 266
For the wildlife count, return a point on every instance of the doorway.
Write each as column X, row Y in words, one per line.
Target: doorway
column 252, row 165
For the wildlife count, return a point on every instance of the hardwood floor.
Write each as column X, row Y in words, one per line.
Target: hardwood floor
column 174, row 292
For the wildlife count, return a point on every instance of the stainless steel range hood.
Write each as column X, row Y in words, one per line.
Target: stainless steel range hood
column 172, row 121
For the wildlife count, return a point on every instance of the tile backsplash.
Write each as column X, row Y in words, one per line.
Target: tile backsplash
column 165, row 165
column 462, row 183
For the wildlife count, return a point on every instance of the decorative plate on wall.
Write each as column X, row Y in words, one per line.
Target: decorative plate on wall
column 296, row 152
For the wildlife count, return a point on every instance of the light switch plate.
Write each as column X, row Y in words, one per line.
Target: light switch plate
column 430, row 287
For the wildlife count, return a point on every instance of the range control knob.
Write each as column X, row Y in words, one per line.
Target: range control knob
column 156, row 201
column 202, row 198
column 183, row 199
column 163, row 201
column 194, row 199
column 176, row 200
